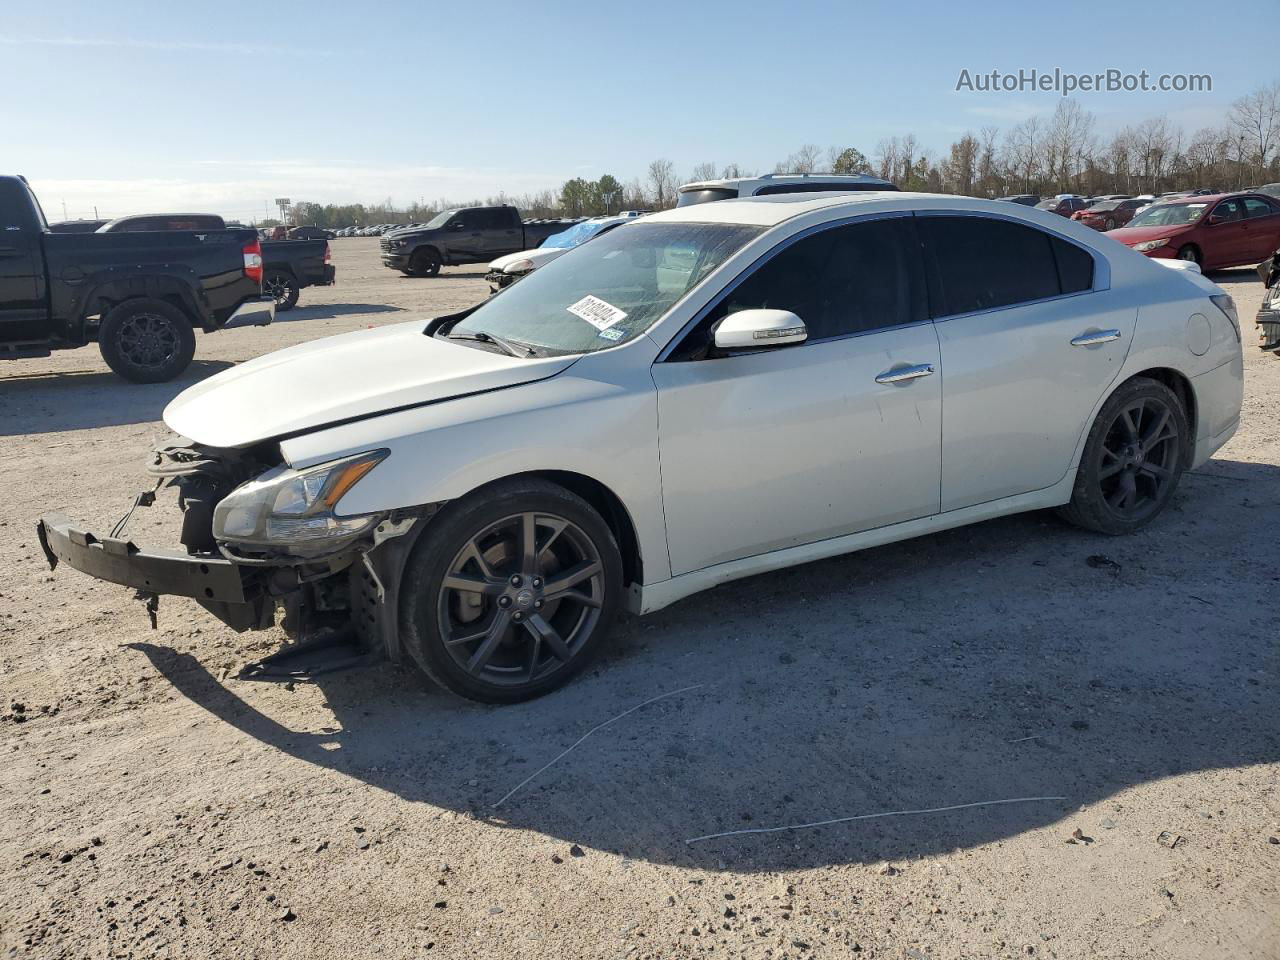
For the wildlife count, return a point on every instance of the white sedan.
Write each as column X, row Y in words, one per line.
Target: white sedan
column 715, row 392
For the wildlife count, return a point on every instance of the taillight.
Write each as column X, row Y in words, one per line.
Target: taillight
column 253, row 261
column 327, row 255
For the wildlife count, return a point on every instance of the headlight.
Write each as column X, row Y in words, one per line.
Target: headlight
column 520, row 266
column 1150, row 245
column 286, row 507
column 395, row 243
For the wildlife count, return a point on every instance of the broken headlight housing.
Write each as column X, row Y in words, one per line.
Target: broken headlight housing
column 286, row 508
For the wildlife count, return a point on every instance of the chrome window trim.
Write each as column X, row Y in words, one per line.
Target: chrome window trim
column 714, row 300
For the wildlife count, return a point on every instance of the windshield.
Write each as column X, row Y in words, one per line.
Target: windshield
column 1047, row 205
column 440, row 219
column 1169, row 215
column 578, row 233
column 1105, row 205
column 608, row 291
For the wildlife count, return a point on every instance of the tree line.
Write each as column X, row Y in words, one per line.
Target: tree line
column 1063, row 153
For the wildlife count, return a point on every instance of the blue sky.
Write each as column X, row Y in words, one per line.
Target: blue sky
column 148, row 106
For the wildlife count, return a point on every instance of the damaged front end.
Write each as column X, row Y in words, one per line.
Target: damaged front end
column 257, row 536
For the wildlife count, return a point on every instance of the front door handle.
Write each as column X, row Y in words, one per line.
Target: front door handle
column 1095, row 338
column 899, row 374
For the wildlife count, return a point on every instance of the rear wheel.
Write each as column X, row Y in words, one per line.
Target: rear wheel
column 146, row 340
column 511, row 591
column 1135, row 455
column 282, row 288
column 424, row 263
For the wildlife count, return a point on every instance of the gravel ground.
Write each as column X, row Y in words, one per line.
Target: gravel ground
column 153, row 805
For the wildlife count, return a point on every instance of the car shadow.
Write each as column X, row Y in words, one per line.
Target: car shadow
column 330, row 311
column 453, row 273
column 52, row 402
column 1017, row 658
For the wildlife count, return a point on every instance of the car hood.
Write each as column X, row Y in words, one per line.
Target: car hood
column 1131, row 235
column 342, row 378
column 538, row 256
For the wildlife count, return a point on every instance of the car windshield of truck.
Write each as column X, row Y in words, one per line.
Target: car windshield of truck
column 606, row 292
column 440, row 219
column 578, row 233
column 1169, row 215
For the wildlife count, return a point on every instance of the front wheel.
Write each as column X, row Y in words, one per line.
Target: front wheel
column 282, row 288
column 146, row 340
column 511, row 591
column 1135, row 455
column 424, row 263
column 1109, row 225
column 1189, row 253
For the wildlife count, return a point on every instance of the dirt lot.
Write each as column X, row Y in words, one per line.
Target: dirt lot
column 153, row 805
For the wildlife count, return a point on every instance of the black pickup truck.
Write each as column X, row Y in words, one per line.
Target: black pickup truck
column 287, row 265
column 290, row 265
column 140, row 296
column 467, row 235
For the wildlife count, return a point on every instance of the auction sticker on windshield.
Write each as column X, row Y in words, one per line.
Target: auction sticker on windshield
column 597, row 312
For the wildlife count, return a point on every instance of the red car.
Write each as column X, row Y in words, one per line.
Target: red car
column 1109, row 214
column 1215, row 231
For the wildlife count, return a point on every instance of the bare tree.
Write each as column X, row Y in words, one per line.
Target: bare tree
column 662, row 180
column 704, row 171
column 804, row 160
column 1256, row 118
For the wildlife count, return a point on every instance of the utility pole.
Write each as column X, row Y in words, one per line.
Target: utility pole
column 64, row 209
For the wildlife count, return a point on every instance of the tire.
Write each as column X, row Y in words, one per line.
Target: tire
column 493, row 643
column 1109, row 225
column 425, row 263
column 282, row 287
column 1135, row 455
column 1190, row 252
column 146, row 340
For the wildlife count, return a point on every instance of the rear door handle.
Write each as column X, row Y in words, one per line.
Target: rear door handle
column 1095, row 338
column 899, row 374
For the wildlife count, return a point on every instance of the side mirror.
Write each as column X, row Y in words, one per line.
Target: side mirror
column 1215, row 219
column 455, row 224
column 753, row 329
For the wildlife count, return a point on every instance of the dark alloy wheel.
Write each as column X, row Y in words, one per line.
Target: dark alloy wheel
column 1189, row 253
column 282, row 288
column 424, row 263
column 1134, row 457
column 510, row 595
column 147, row 341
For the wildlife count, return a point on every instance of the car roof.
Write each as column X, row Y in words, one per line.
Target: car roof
column 774, row 209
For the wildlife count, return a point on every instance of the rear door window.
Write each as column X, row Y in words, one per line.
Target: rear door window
column 981, row 263
column 1253, row 207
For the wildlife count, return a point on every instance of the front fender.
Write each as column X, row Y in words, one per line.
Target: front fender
column 600, row 430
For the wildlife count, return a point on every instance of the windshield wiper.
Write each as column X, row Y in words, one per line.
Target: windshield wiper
column 510, row 346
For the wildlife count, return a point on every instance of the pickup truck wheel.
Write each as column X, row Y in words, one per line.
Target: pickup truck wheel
column 424, row 263
column 147, row 341
column 282, row 288
column 510, row 592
